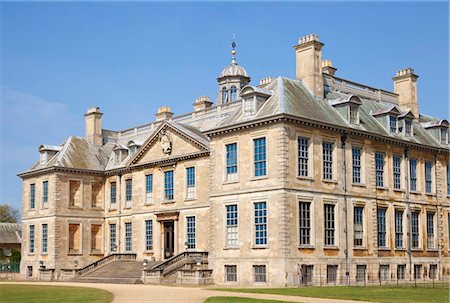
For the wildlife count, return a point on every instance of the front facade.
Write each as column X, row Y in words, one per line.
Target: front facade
column 314, row 180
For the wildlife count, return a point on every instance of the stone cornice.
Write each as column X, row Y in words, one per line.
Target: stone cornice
column 349, row 131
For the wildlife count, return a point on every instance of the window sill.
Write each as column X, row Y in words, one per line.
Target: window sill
column 149, row 252
column 190, row 199
column 382, row 188
column 96, row 253
column 329, row 181
column 383, row 248
column 97, row 208
column 399, row 190
column 75, row 208
column 32, row 209
column 360, row 248
column 259, row 178
column 432, row 249
column 45, row 254
column 231, row 181
column 168, row 201
column 400, row 249
column 430, row 194
column 331, row 247
column 306, row 247
column 127, row 208
column 359, row 184
column 74, row 254
column 305, row 178
column 149, row 204
column 416, row 249
column 112, row 209
column 231, row 248
column 260, row 246
column 31, row 254
column 414, row 192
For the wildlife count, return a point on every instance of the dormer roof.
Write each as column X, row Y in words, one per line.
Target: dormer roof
column 384, row 111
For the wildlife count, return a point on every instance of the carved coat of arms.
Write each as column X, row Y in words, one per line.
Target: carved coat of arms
column 166, row 144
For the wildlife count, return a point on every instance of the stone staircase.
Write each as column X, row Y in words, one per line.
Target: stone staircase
column 123, row 272
column 189, row 267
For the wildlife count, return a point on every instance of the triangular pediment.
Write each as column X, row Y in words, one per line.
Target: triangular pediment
column 170, row 141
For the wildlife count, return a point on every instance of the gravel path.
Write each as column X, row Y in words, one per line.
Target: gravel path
column 126, row 293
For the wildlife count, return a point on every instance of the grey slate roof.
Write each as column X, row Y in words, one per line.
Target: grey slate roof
column 289, row 97
column 10, row 233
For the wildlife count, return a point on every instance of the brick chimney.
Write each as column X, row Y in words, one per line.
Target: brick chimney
column 405, row 85
column 93, row 126
column 202, row 103
column 308, row 59
column 164, row 113
column 327, row 67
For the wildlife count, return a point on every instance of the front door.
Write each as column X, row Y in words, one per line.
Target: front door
column 168, row 239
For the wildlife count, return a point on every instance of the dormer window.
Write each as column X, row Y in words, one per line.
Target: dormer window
column 249, row 106
column 444, row 136
column 46, row 152
column 408, row 127
column 438, row 129
column 120, row 153
column 133, row 150
column 233, row 93
column 392, row 124
column 354, row 114
column 253, row 98
column 43, row 157
column 348, row 108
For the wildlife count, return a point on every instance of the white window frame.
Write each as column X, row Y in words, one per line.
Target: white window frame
column 230, row 203
column 310, row 162
column 230, row 178
column 148, row 195
column 332, row 201
column 254, row 136
column 191, row 191
column 364, row 219
column 312, row 213
column 253, row 202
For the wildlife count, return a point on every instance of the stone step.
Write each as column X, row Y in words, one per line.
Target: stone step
column 108, row 280
column 117, row 269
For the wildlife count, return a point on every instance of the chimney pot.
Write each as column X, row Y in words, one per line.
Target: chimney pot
column 93, row 126
column 201, row 103
column 164, row 113
column 308, row 58
column 266, row 80
column 405, row 85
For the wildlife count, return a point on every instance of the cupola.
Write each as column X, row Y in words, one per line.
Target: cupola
column 231, row 80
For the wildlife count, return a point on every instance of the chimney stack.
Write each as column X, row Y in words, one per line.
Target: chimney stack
column 308, row 57
column 327, row 67
column 202, row 103
column 93, row 128
column 405, row 85
column 163, row 113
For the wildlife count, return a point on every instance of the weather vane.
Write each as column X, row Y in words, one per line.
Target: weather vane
column 233, row 52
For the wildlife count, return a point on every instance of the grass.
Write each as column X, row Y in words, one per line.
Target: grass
column 369, row 293
column 239, row 300
column 21, row 293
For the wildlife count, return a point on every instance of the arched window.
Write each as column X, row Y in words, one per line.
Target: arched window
column 224, row 95
column 233, row 93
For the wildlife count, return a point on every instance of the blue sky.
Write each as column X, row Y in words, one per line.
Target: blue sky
column 58, row 59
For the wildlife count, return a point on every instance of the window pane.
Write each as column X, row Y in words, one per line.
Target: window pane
column 148, row 235
column 128, row 236
column 168, row 185
column 305, row 223
column 327, row 150
column 260, row 156
column 260, row 223
column 303, row 156
column 232, row 225
column 329, row 224
column 358, row 225
column 356, row 165
column 381, row 224
column 412, row 174
column 397, row 171
column 398, row 228
column 379, row 169
column 190, row 232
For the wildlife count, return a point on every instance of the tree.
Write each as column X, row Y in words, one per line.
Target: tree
column 9, row 214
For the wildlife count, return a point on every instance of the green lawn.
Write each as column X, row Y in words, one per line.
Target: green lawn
column 369, row 293
column 22, row 293
column 239, row 300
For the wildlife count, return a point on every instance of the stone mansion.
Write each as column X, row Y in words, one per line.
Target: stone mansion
column 314, row 180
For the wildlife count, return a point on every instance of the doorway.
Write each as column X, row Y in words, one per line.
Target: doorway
column 168, row 239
